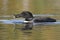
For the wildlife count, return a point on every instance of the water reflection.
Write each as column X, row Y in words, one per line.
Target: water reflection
column 27, row 32
column 19, row 31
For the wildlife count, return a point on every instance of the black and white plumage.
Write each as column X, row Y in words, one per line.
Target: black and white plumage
column 29, row 17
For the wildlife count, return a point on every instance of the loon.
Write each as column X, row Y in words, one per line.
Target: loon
column 29, row 16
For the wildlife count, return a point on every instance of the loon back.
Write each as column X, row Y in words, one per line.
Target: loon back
column 43, row 19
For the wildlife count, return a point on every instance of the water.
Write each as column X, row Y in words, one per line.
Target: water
column 9, row 32
column 42, row 32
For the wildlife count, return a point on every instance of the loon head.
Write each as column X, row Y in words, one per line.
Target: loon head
column 24, row 14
